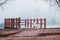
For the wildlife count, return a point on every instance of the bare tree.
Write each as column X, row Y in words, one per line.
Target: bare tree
column 53, row 2
column 2, row 2
column 58, row 2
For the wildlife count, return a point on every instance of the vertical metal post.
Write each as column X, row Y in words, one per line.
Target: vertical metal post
column 19, row 23
column 34, row 23
column 37, row 21
column 25, row 22
column 8, row 22
column 44, row 23
column 40, row 23
column 33, row 20
column 4, row 23
column 16, row 22
column 30, row 23
column 12, row 23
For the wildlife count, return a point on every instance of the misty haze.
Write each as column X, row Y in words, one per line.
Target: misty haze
column 48, row 9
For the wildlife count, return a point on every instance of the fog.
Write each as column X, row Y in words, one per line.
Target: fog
column 32, row 9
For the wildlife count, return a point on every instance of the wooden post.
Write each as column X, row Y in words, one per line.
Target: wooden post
column 19, row 23
column 12, row 23
column 40, row 23
column 4, row 23
column 44, row 23
column 25, row 22
column 16, row 22
column 33, row 20
column 30, row 23
column 37, row 21
column 34, row 23
column 8, row 22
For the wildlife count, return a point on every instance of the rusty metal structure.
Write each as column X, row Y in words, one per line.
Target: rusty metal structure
column 12, row 23
column 18, row 22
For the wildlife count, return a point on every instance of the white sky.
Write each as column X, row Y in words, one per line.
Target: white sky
column 30, row 9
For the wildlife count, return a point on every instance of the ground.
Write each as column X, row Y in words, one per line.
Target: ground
column 32, row 34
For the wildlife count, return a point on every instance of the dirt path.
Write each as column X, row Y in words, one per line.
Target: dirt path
column 27, row 33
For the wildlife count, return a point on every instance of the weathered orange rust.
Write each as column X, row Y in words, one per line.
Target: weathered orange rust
column 12, row 22
column 30, row 23
column 33, row 20
column 37, row 21
column 19, row 22
column 40, row 23
column 44, row 23
column 4, row 23
column 27, row 22
column 8, row 22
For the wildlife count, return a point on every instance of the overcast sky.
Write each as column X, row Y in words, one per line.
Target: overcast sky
column 31, row 9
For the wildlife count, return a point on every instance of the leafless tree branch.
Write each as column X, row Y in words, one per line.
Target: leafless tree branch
column 1, row 3
column 58, row 2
